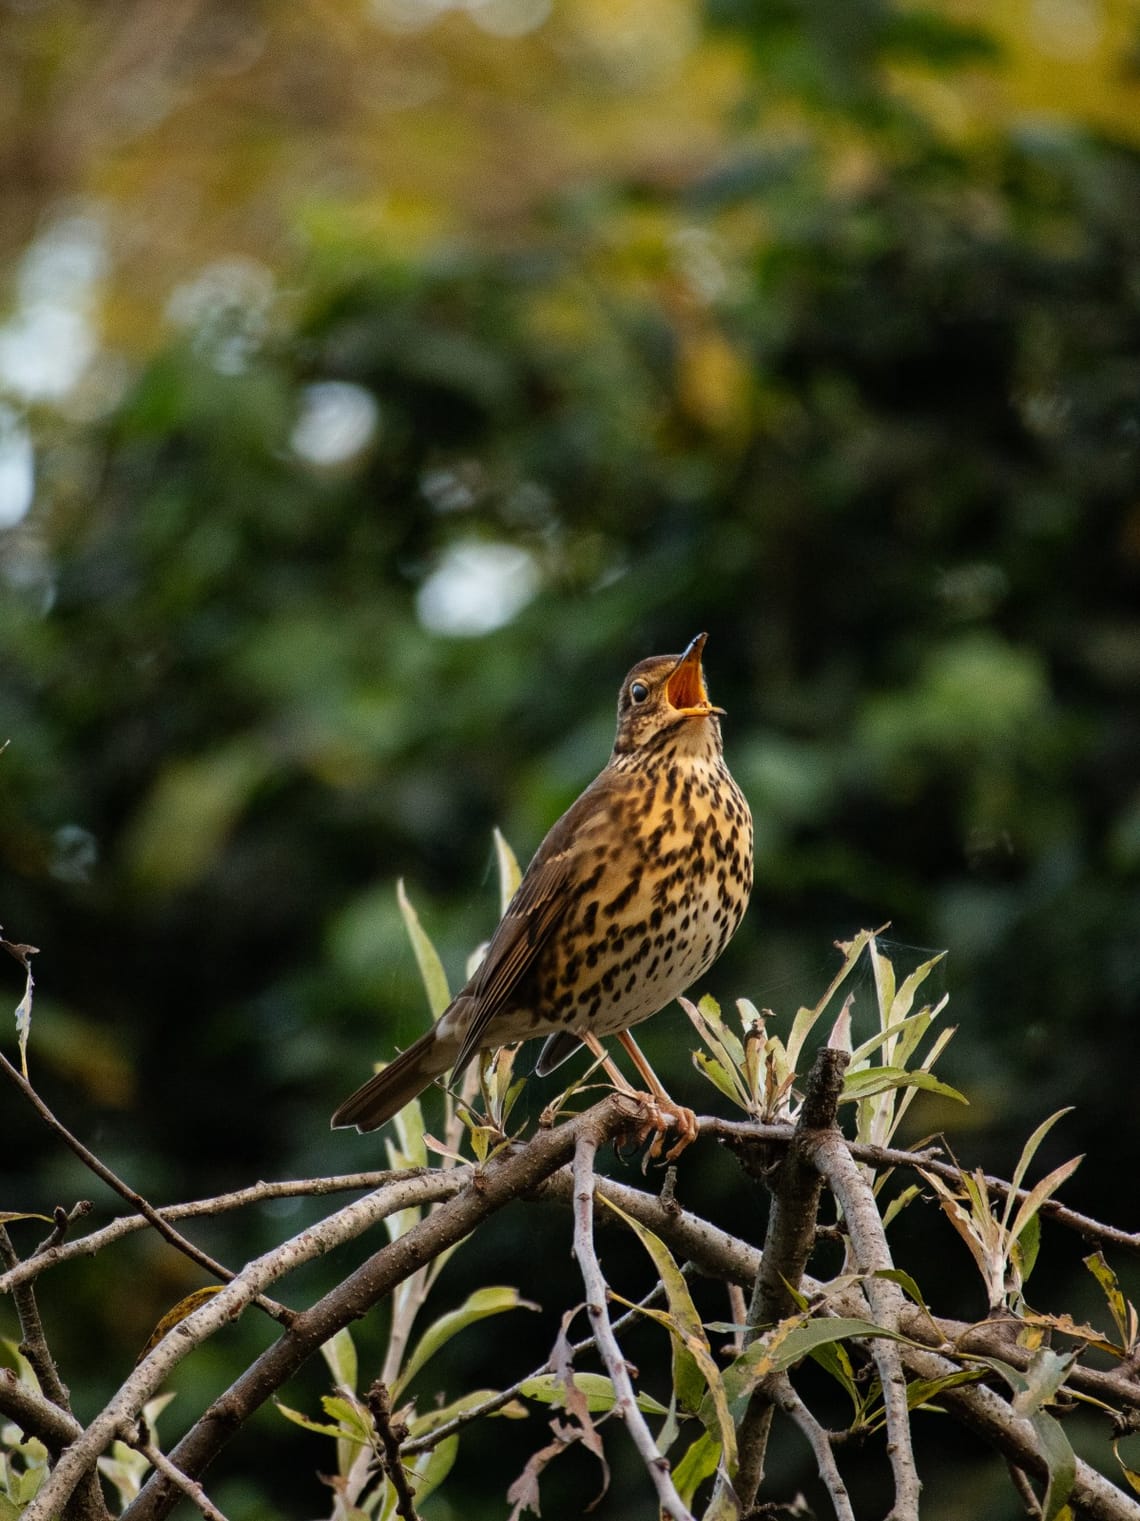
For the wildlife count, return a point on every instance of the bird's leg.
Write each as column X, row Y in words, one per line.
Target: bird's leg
column 684, row 1119
column 609, row 1066
column 663, row 1107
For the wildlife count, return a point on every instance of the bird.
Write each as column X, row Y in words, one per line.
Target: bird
column 633, row 894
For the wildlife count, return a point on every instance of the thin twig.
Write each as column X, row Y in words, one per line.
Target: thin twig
column 625, row 1401
column 983, row 1411
column 512, row 1174
column 794, row 1185
column 380, row 1404
column 929, row 1158
column 831, row 1154
column 788, row 1400
column 143, row 1382
column 33, row 1343
column 505, row 1396
column 189, row 1487
column 49, row 1256
column 125, row 1191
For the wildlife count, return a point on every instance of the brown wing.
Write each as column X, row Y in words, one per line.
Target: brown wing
column 531, row 917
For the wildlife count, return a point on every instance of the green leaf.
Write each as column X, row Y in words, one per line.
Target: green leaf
column 431, row 1468
column 906, row 1283
column 548, row 1389
column 510, row 874
column 427, row 958
column 322, row 1428
column 806, row 1018
column 698, row 1464
column 900, row 1202
column 1028, row 1152
column 686, row 1330
column 873, row 1080
column 792, row 1340
column 339, row 1352
column 439, row 1415
column 716, row 1075
column 833, row 1358
column 1023, row 1249
column 1062, row 1463
column 477, row 1306
column 1038, row 1194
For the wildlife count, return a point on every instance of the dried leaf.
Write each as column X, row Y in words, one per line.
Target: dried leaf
column 23, row 954
column 177, row 1314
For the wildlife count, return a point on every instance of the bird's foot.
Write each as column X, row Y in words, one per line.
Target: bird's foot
column 658, row 1117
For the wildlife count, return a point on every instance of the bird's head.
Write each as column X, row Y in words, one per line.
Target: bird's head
column 665, row 695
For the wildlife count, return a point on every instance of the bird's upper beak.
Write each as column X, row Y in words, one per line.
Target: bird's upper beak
column 685, row 688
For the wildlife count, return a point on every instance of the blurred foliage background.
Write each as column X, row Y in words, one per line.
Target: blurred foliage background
column 379, row 379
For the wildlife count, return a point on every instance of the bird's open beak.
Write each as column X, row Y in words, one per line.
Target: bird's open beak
column 685, row 688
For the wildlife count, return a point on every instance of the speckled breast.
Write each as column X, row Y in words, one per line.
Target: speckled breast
column 670, row 883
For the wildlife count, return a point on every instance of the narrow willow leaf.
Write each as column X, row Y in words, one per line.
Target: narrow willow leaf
column 910, row 985
column 884, row 974
column 873, row 1080
column 547, row 1389
column 322, row 1428
column 432, row 1467
column 355, row 1421
column 806, row 1018
column 861, row 1053
column 427, row 957
column 1023, row 1248
column 1129, row 1473
column 899, row 1203
column 699, row 1463
column 1122, row 1312
column 178, row 1313
column 1062, row 1461
column 23, row 954
column 510, row 874
column 686, row 1329
column 339, row 1352
column 716, row 1075
column 477, row 1306
column 1028, row 1152
column 1038, row 1194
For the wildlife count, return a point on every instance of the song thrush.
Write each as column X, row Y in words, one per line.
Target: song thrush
column 633, row 894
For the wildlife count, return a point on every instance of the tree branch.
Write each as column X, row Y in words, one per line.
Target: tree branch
column 625, row 1400
column 514, row 1172
column 124, row 1190
column 125, row 1225
column 832, row 1156
column 121, row 1413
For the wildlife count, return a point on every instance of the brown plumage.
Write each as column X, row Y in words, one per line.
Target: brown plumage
column 633, row 894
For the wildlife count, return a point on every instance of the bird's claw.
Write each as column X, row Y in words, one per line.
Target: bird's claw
column 656, row 1117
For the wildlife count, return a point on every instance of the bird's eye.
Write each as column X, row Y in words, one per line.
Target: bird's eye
column 639, row 691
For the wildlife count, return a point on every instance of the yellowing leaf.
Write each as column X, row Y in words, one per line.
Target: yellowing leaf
column 427, row 957
column 177, row 1314
column 687, row 1331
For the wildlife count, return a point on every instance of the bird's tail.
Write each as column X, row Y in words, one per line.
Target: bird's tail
column 382, row 1096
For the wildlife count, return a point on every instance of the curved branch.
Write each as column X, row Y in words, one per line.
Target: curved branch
column 126, row 1225
column 832, row 1156
column 613, row 1359
column 511, row 1174
column 120, row 1414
